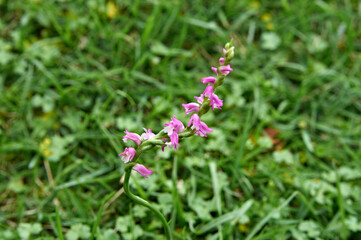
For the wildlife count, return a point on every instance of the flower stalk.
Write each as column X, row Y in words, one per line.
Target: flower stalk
column 141, row 201
column 174, row 131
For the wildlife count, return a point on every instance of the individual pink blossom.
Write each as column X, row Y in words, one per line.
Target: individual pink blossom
column 142, row 170
column 132, row 136
column 208, row 91
column 164, row 139
column 209, row 80
column 200, row 99
column 128, row 154
column 201, row 128
column 216, row 102
column 225, row 70
column 174, row 125
column 147, row 135
column 224, row 52
column 173, row 128
column 222, row 60
column 174, row 139
column 214, row 70
column 191, row 107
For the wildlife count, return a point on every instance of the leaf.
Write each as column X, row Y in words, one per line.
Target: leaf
column 16, row 185
column 307, row 140
column 260, row 224
column 127, row 123
column 25, row 230
column 316, row 44
column 166, row 202
column 109, row 234
column 202, row 208
column 122, row 224
column 353, row 224
column 310, row 228
column 270, row 41
column 58, row 148
column 231, row 216
column 140, row 211
column 78, row 231
column 72, row 119
column 160, row 49
column 5, row 57
column 203, row 24
column 7, row 235
column 265, row 142
column 283, row 156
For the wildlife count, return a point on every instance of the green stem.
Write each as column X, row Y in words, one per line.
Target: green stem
column 146, row 204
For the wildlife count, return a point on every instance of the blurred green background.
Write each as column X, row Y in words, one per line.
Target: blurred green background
column 283, row 161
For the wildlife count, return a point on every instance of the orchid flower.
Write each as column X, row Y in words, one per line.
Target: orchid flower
column 128, row 154
column 225, row 70
column 201, row 128
column 209, row 80
column 142, row 170
column 147, row 135
column 174, row 130
column 132, row 136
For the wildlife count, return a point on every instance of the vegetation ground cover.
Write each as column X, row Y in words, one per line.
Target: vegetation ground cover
column 283, row 161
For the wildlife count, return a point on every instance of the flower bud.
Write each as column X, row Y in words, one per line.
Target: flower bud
column 230, row 54
column 228, row 45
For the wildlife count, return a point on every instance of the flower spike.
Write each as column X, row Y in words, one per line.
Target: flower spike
column 174, row 130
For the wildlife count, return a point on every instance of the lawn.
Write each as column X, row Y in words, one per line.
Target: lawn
column 283, row 160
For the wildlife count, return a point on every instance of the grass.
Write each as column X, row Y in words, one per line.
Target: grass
column 283, row 161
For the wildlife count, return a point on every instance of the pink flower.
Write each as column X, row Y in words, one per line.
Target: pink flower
column 142, row 170
column 128, row 154
column 166, row 144
column 132, row 136
column 224, row 70
column 209, row 80
column 201, row 128
column 173, row 128
column 224, row 52
column 199, row 99
column 208, row 91
column 214, row 70
column 191, row 107
column 222, row 60
column 174, row 140
column 215, row 101
column 174, row 125
column 147, row 135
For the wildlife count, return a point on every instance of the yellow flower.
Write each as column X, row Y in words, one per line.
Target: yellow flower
column 302, row 124
column 47, row 152
column 45, row 143
column 302, row 157
column 255, row 5
column 112, row 10
column 270, row 26
column 266, row 17
column 243, row 227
